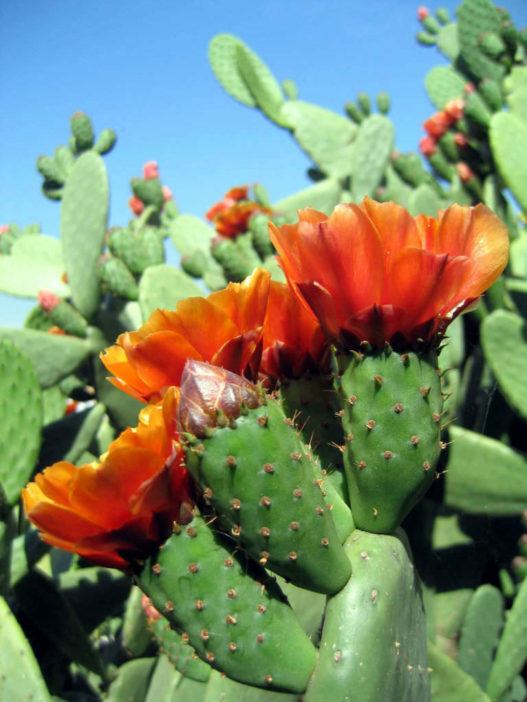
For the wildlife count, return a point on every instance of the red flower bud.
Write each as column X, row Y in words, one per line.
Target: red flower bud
column 454, row 108
column 48, row 300
column 427, row 146
column 136, row 205
column 464, row 172
column 460, row 139
column 437, row 124
column 150, row 170
column 422, row 13
column 167, row 193
column 208, row 393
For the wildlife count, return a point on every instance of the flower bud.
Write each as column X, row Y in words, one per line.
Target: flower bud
column 210, row 395
column 150, row 170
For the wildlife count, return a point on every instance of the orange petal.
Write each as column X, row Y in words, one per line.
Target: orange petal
column 395, row 225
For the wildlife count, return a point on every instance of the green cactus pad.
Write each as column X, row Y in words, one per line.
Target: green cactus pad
column 512, row 648
column 262, row 85
column 476, row 18
column 508, row 140
column 443, row 84
column 53, row 356
column 373, row 643
column 505, row 348
column 189, row 233
column 449, row 683
column 323, row 196
column 47, row 167
column 259, row 228
column 148, row 191
column 34, row 264
column 237, row 257
column 20, row 418
column 234, row 616
column 164, row 286
column 223, row 689
column 371, row 153
column 82, row 131
column 480, row 473
column 19, row 671
column 480, row 633
column 182, row 656
column 324, row 135
column 117, row 279
column 392, row 411
column 105, row 142
column 244, row 75
column 269, row 499
column 83, row 218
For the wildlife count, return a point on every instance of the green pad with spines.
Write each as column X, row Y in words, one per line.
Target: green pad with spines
column 116, row 278
column 83, row 218
column 19, row 671
column 392, row 408
column 217, row 598
column 443, row 84
column 323, row 196
column 324, row 135
column 164, row 286
column 82, row 130
column 269, row 499
column 182, row 656
column 508, row 141
column 373, row 643
column 34, row 263
column 20, row 419
column 371, row 153
column 236, row 256
column 262, row 85
column 475, row 18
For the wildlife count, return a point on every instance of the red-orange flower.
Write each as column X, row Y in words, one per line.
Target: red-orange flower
column 293, row 342
column 116, row 511
column 224, row 329
column 373, row 272
column 231, row 215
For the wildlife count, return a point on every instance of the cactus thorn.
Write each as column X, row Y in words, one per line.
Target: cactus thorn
column 156, row 568
column 209, row 656
column 235, row 503
column 232, row 646
column 370, row 424
column 259, row 638
column 324, row 542
column 230, row 619
column 297, row 493
column 362, row 464
column 294, row 526
column 264, row 557
column 378, row 380
column 228, row 562
column 319, row 511
column 352, row 400
column 292, row 555
column 199, row 605
column 265, row 501
column 261, row 608
column 193, row 567
column 265, row 531
column 231, row 461
column 387, row 455
column 295, row 456
column 268, row 468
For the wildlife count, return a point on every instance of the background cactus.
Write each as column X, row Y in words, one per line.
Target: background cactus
column 450, row 589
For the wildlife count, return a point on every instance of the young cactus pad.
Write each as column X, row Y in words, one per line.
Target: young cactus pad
column 259, row 477
column 233, row 615
column 392, row 412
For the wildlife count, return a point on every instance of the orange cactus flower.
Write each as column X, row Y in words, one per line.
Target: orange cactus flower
column 116, row 511
column 224, row 329
column 293, row 342
column 231, row 215
column 372, row 272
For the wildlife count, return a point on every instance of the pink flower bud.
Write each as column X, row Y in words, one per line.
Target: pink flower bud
column 136, row 205
column 48, row 300
column 470, row 88
column 422, row 13
column 150, row 170
column 167, row 193
column 460, row 139
column 427, row 146
column 3, row 229
column 148, row 608
column 464, row 172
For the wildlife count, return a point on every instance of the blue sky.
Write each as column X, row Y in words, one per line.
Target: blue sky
column 141, row 68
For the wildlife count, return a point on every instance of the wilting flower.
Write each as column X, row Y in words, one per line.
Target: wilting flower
column 293, row 342
column 224, row 329
column 232, row 213
column 373, row 272
column 115, row 511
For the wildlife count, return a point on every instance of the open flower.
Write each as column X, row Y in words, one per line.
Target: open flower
column 224, row 329
column 116, row 511
column 293, row 342
column 232, row 213
column 373, row 272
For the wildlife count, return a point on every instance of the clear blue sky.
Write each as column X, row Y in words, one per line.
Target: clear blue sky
column 141, row 68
